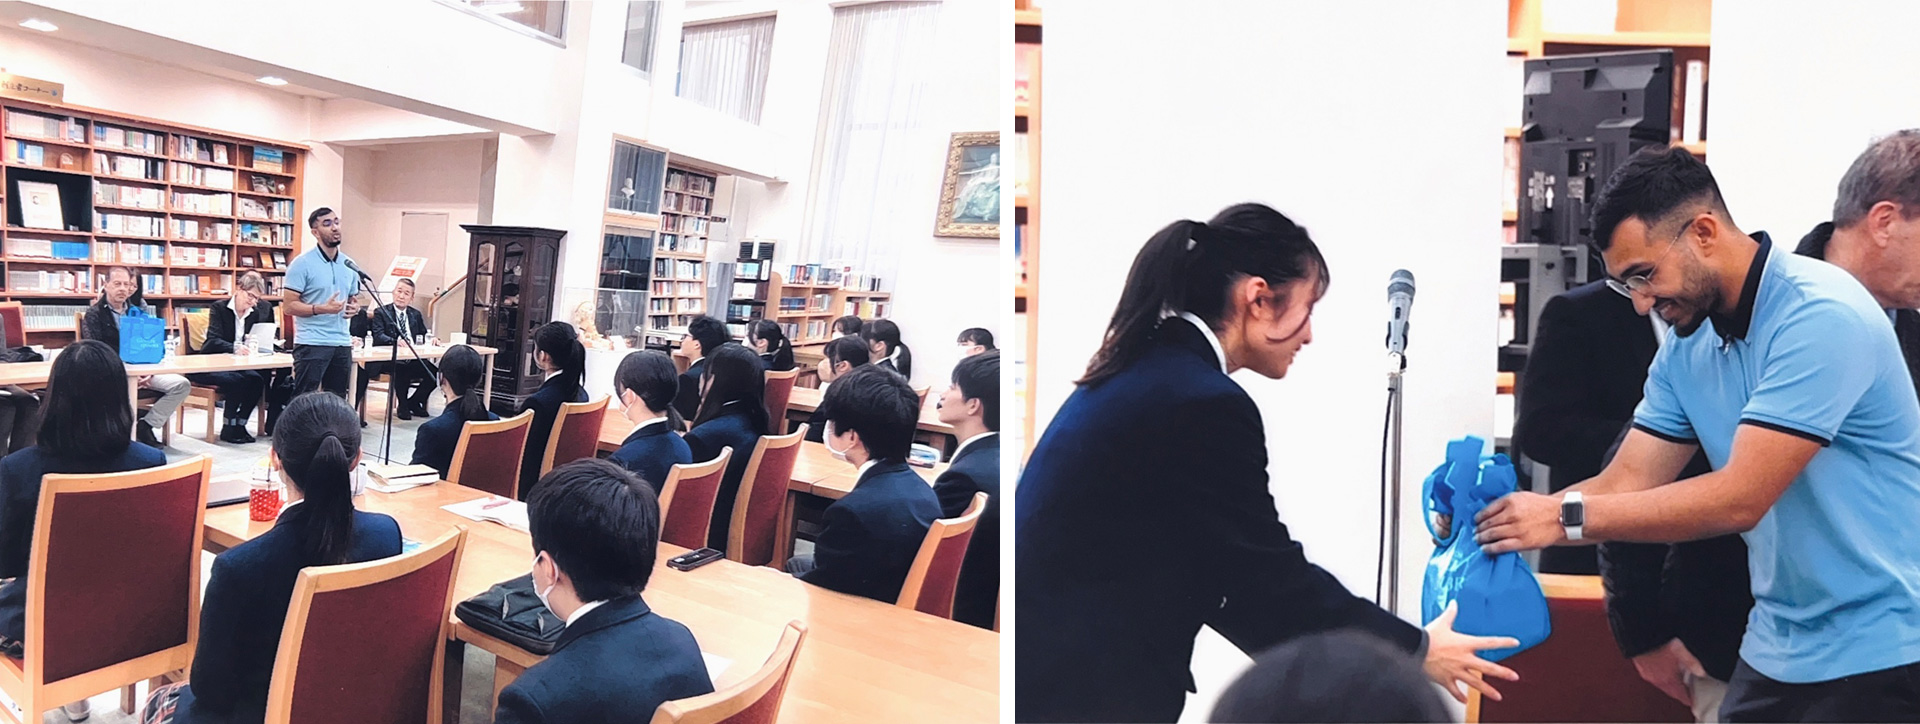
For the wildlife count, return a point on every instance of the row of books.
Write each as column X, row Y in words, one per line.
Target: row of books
column 139, row 197
column 866, row 309
column 679, row 289
column 49, row 316
column 678, row 180
column 112, row 164
column 205, row 203
column 55, row 128
column 269, row 159
column 816, row 303
column 670, row 326
column 107, row 222
column 683, row 224
column 39, row 248
column 261, row 259
column 860, row 282
column 813, row 274
column 678, row 203
column 203, row 283
column 194, row 149
column 747, row 290
column 281, row 210
column 34, row 154
column 269, row 234
column 809, row 329
column 130, row 252
column 129, row 139
column 199, row 256
column 50, row 281
column 668, row 305
column 741, row 311
column 219, row 178
column 680, row 244
column 676, row 269
column 754, row 269
column 201, row 230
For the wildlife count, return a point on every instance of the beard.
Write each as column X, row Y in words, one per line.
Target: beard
column 1699, row 296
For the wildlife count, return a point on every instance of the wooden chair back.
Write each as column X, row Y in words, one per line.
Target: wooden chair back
column 15, row 317
column 762, row 495
column 488, row 455
column 754, row 700
column 576, row 433
column 935, row 576
column 1578, row 674
column 687, row 500
column 779, row 390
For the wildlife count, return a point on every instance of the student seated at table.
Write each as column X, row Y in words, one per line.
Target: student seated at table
column 847, row 326
column 596, row 532
column 838, row 358
column 561, row 357
column 247, row 596
column 883, row 342
column 972, row 406
column 646, row 383
column 870, row 537
column 704, row 335
column 228, row 321
column 772, row 344
column 87, row 428
column 461, row 383
column 974, row 340
column 733, row 413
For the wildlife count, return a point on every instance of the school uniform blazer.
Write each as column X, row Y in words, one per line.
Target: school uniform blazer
column 687, row 400
column 902, row 363
column 651, row 451
column 437, row 439
column 975, row 470
column 545, row 404
column 222, row 330
column 868, row 539
column 20, row 474
column 1143, row 515
column 246, row 606
column 731, row 429
column 616, row 664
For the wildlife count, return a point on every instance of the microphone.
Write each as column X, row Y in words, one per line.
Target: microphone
column 356, row 270
column 1400, row 298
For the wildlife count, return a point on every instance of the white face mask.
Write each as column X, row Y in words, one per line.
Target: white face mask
column 840, row 455
column 542, row 595
column 628, row 408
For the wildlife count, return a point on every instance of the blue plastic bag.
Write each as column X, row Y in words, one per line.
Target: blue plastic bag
column 1497, row 595
column 143, row 338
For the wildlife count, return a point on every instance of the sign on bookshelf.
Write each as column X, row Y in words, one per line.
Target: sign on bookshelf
column 32, row 89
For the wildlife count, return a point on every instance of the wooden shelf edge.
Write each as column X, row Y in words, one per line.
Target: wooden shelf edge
column 1026, row 17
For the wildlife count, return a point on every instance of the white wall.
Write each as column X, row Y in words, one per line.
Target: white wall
column 1386, row 153
column 383, row 184
column 1781, row 130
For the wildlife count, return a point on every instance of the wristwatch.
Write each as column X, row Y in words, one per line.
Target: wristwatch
column 1573, row 514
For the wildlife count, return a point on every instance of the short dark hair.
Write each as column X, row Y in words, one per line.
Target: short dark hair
column 878, row 404
column 848, row 325
column 87, row 413
column 1889, row 170
column 976, row 335
column 978, row 378
column 851, row 350
column 406, row 281
column 883, row 331
column 1652, row 186
column 652, row 377
column 710, row 332
column 600, row 524
column 1343, row 675
column 314, row 218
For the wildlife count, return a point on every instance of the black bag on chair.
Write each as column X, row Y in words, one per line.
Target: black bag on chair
column 510, row 612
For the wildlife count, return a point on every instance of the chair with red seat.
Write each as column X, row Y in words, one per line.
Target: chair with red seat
column 576, row 433
column 488, row 455
column 756, row 700
column 934, row 578
column 762, row 495
column 779, row 390
column 687, row 500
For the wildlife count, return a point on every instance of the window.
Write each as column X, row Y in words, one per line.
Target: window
column 637, row 174
column 724, row 65
column 638, row 51
column 541, row 18
column 626, row 259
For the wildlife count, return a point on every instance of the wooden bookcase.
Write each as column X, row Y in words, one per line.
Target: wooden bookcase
column 188, row 206
column 678, row 291
column 1026, row 210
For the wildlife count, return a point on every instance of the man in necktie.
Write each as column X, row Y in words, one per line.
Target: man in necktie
column 412, row 382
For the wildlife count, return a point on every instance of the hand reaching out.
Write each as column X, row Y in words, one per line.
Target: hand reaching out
column 1453, row 658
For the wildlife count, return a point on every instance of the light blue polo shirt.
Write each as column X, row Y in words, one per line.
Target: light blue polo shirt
column 317, row 280
column 1835, row 563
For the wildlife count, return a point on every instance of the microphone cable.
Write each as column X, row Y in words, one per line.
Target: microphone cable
column 1380, row 561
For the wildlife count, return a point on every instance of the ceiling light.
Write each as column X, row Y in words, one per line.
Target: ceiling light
column 273, row 80
column 38, row 24
column 506, row 8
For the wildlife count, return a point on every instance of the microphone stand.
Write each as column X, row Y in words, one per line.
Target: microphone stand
column 393, row 369
column 1397, row 367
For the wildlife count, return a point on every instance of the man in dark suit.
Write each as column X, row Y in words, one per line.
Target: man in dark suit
column 596, row 531
column 972, row 406
column 704, row 334
column 228, row 322
column 869, row 538
column 412, row 381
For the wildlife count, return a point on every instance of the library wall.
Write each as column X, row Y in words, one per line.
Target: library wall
column 386, row 183
column 1359, row 157
column 1782, row 132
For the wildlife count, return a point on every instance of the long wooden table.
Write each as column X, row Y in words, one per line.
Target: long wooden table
column 365, row 355
column 863, row 660
column 807, row 399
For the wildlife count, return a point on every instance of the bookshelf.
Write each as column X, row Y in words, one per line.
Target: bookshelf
column 187, row 208
column 754, row 282
column 1026, row 210
column 678, row 289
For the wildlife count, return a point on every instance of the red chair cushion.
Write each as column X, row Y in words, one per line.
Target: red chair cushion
column 943, row 575
column 578, row 438
column 1578, row 675
column 118, row 575
column 691, row 514
column 763, row 503
column 493, row 461
column 368, row 652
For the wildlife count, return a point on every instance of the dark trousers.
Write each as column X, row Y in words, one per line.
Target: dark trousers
column 1888, row 695
column 241, row 389
column 411, row 381
column 19, row 418
column 316, row 367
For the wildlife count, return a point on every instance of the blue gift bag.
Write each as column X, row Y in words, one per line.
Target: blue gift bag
column 143, row 339
column 1497, row 595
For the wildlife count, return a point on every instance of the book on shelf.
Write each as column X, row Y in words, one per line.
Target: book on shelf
column 275, row 210
column 103, row 252
column 133, row 167
column 813, row 275
column 266, row 234
column 26, row 247
column 33, row 154
column 153, row 284
column 132, row 252
column 53, row 317
column 40, row 205
column 746, row 290
column 53, row 128
column 118, row 224
column 678, row 180
column 128, row 139
column 866, row 309
column 139, row 197
column 859, row 282
column 269, row 159
column 819, row 302
column 741, row 311
column 200, row 202
column 49, row 281
column 680, row 244
column 266, row 184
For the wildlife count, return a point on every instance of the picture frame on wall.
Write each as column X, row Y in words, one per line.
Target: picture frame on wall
column 40, row 205
column 970, row 188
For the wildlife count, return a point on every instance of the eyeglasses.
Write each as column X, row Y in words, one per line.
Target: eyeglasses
column 1639, row 282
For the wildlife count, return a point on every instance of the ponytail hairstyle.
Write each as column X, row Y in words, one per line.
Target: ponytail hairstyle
column 737, row 376
column 1192, row 267
column 562, row 344
column 779, row 349
column 317, row 440
column 652, row 377
column 887, row 334
column 463, row 371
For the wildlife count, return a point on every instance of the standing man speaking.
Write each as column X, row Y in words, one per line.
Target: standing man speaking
column 322, row 289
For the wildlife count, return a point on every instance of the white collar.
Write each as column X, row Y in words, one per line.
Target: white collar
column 582, row 611
column 894, row 356
column 862, row 472
column 969, row 441
column 1219, row 353
column 643, row 425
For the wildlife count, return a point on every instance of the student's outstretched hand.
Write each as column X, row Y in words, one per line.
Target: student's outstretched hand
column 1453, row 658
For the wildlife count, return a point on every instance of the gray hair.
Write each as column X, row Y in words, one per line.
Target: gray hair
column 1889, row 170
column 252, row 282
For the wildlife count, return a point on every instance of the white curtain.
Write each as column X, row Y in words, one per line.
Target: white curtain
column 873, row 145
column 723, row 66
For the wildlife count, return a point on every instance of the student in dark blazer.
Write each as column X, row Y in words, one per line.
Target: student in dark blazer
column 704, row 335
column 560, row 355
column 975, row 340
column 252, row 584
column 839, row 357
column 883, row 340
column 646, row 383
column 1107, row 637
column 412, row 380
column 847, row 326
column 733, row 413
column 772, row 344
column 870, row 537
column 88, row 428
column 971, row 404
column 596, row 532
column 461, row 381
column 228, row 321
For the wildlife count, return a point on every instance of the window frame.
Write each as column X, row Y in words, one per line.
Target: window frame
column 465, row 6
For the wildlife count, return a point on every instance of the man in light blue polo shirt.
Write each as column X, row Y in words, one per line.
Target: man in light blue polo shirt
column 322, row 289
column 1787, row 373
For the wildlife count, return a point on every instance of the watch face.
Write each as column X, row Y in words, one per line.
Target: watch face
column 1572, row 514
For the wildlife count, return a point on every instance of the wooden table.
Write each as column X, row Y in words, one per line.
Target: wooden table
column 863, row 660
column 930, row 429
column 364, row 355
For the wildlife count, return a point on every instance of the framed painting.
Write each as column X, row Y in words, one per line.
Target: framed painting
column 970, row 190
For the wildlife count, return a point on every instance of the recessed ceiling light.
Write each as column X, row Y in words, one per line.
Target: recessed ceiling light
column 273, row 80
column 38, row 24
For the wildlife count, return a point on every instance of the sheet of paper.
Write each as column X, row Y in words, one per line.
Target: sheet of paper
column 402, row 484
column 716, row 665
column 510, row 513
